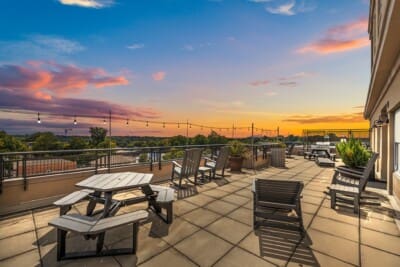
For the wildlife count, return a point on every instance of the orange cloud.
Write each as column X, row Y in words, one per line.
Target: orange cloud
column 44, row 77
column 340, row 38
column 340, row 118
column 158, row 76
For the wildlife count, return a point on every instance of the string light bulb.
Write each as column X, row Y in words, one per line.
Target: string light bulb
column 147, row 123
column 179, row 126
column 38, row 118
column 104, row 121
column 75, row 121
column 163, row 124
column 127, row 122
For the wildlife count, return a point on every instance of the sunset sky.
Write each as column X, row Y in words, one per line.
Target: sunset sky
column 288, row 63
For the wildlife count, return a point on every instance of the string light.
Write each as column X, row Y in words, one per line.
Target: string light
column 38, row 118
column 127, row 122
column 147, row 123
column 163, row 124
column 75, row 121
column 104, row 121
column 179, row 126
column 190, row 125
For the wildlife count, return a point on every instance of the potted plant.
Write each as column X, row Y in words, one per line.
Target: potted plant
column 353, row 153
column 238, row 152
column 278, row 155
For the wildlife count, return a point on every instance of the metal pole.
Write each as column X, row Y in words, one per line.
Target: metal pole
column 187, row 132
column 233, row 130
column 109, row 134
column 252, row 146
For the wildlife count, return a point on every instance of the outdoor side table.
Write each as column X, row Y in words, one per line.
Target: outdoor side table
column 203, row 170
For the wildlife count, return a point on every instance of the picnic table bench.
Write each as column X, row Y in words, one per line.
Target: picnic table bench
column 85, row 225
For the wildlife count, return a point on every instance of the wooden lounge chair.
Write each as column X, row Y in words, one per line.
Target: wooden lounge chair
column 85, row 225
column 351, row 182
column 219, row 163
column 275, row 199
column 289, row 150
column 189, row 167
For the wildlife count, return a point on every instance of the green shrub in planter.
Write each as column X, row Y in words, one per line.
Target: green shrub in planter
column 353, row 153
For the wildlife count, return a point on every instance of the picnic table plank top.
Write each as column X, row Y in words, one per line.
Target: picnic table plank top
column 116, row 181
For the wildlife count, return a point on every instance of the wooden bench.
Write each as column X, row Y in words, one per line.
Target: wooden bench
column 165, row 198
column 325, row 162
column 66, row 202
column 85, row 225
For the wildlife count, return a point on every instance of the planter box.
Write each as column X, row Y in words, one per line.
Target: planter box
column 278, row 157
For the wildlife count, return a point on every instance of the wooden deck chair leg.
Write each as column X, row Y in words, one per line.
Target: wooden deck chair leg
column 170, row 213
column 356, row 204
column 333, row 199
column 61, row 239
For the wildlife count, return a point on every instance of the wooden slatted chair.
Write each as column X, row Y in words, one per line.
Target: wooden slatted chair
column 351, row 182
column 190, row 166
column 275, row 199
column 219, row 163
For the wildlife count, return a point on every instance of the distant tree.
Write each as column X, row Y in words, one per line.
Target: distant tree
column 9, row 143
column 106, row 143
column 97, row 136
column 199, row 140
column 143, row 157
column 178, row 140
column 77, row 142
column 46, row 141
column 215, row 138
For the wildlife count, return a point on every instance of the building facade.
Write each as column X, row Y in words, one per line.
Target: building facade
column 382, row 106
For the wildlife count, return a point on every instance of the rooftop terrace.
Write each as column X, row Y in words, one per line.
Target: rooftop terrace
column 213, row 227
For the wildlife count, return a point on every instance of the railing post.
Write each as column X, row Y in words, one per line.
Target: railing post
column 96, row 164
column 151, row 159
column 159, row 159
column 1, row 173
column 24, row 171
column 109, row 161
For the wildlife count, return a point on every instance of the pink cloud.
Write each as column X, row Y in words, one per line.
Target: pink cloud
column 158, row 76
column 49, row 78
column 259, row 83
column 340, row 38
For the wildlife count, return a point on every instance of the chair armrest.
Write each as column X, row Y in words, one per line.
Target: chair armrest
column 174, row 163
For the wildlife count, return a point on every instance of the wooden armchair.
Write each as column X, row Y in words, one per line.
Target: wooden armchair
column 190, row 166
column 219, row 162
column 275, row 199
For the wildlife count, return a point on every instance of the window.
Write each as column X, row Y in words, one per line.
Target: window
column 397, row 141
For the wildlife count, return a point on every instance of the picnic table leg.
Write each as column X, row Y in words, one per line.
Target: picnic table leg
column 107, row 206
column 92, row 204
column 151, row 198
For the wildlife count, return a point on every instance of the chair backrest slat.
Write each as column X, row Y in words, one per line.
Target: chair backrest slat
column 191, row 162
column 222, row 158
column 278, row 190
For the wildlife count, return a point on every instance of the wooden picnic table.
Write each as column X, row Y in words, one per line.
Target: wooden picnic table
column 111, row 183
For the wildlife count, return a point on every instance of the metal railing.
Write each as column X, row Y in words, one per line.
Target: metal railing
column 25, row 165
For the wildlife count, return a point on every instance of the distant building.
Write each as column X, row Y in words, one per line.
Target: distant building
column 44, row 166
column 382, row 107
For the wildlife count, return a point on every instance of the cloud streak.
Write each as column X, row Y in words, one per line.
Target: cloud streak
column 47, row 79
column 88, row 3
column 135, row 46
column 288, row 8
column 58, row 105
column 259, row 83
column 340, row 118
column 341, row 38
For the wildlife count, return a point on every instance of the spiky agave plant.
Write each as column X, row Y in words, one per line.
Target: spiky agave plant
column 353, row 153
